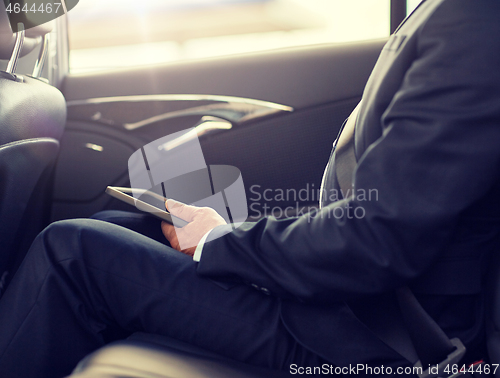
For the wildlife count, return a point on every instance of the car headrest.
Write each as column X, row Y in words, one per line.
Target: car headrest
column 8, row 37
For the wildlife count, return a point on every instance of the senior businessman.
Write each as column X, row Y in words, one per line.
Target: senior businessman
column 280, row 292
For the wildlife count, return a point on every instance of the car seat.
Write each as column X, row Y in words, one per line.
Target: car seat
column 32, row 119
column 147, row 355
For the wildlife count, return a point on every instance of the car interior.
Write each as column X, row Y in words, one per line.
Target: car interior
column 65, row 136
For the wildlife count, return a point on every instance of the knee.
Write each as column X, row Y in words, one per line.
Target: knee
column 111, row 215
column 64, row 239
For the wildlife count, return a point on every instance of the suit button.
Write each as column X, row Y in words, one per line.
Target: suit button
column 263, row 289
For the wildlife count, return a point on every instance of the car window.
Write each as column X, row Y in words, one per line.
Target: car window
column 411, row 5
column 121, row 33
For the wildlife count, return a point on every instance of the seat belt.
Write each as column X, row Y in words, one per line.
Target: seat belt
column 402, row 324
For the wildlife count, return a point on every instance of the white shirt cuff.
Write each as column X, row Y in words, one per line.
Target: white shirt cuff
column 199, row 248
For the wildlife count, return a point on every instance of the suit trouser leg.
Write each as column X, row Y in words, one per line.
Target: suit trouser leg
column 81, row 277
column 143, row 223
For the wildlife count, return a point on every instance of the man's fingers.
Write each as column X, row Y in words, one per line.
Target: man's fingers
column 171, row 204
column 201, row 220
column 181, row 210
column 168, row 230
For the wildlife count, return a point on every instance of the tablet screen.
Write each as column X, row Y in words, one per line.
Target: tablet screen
column 146, row 201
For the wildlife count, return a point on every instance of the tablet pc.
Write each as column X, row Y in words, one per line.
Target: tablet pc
column 125, row 195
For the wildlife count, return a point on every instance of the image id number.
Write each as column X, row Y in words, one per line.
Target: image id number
column 42, row 8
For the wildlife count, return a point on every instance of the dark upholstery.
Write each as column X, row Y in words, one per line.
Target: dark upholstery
column 32, row 119
column 22, row 164
column 30, row 109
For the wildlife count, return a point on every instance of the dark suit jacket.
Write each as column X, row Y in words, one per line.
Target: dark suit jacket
column 427, row 140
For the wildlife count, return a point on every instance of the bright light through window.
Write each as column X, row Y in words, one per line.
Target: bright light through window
column 120, row 33
column 411, row 5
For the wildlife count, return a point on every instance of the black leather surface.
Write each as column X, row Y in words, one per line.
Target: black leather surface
column 32, row 119
column 21, row 166
column 146, row 355
column 31, row 109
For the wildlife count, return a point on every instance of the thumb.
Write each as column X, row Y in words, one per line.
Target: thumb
column 180, row 209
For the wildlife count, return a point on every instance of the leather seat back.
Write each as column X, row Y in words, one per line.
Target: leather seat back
column 30, row 109
column 22, row 164
column 32, row 120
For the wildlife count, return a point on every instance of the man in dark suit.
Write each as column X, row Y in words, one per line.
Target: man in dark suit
column 427, row 138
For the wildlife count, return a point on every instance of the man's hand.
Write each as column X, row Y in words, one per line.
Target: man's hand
column 201, row 220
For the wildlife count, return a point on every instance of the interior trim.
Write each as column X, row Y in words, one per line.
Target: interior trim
column 181, row 97
column 233, row 109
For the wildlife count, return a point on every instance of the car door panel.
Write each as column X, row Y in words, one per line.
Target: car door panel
column 277, row 150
